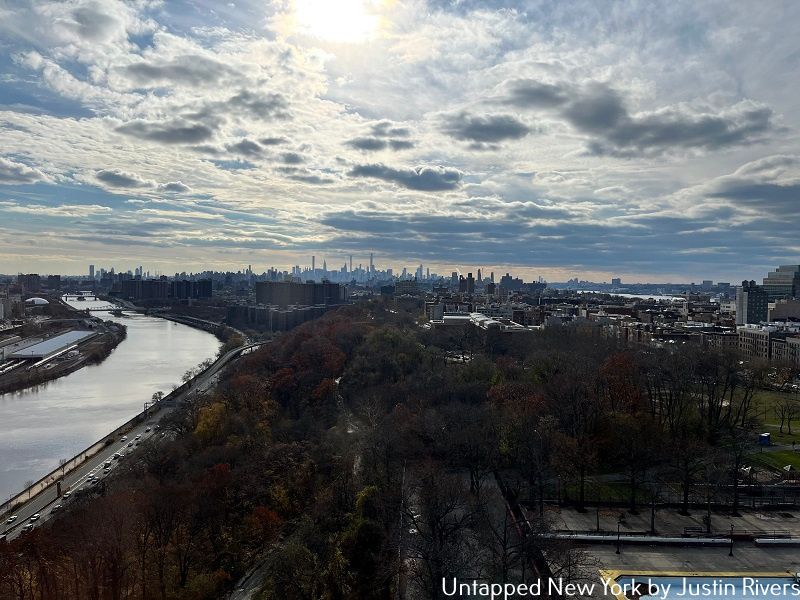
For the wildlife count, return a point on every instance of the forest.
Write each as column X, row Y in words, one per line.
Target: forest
column 363, row 456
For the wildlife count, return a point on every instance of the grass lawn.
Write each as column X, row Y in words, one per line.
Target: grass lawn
column 783, row 438
column 777, row 460
column 764, row 404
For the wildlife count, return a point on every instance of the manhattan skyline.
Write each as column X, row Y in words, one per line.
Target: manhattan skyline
column 544, row 139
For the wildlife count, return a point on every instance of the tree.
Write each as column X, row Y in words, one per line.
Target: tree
column 443, row 545
column 786, row 409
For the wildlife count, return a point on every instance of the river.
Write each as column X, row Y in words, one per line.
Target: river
column 41, row 425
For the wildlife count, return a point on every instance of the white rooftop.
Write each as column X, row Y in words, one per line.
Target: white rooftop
column 52, row 345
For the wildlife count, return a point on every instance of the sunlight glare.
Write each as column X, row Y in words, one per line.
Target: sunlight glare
column 344, row 21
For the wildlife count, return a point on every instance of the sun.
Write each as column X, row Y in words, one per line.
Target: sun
column 341, row 21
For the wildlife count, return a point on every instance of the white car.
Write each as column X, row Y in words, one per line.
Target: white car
column 35, row 517
column 27, row 528
column 11, row 519
column 146, row 429
column 66, row 495
column 124, row 438
column 139, row 436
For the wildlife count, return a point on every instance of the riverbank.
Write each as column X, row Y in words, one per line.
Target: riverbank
column 42, row 425
column 93, row 351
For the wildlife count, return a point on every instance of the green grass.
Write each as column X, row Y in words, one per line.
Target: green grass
column 783, row 438
column 777, row 460
column 764, row 404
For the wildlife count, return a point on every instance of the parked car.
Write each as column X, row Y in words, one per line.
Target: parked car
column 35, row 517
column 11, row 519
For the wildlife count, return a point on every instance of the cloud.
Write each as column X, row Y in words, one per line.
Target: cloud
column 246, row 147
column 375, row 143
column 61, row 210
column 167, row 132
column 770, row 186
column 292, row 158
column 484, row 129
column 266, row 106
column 193, row 70
column 272, row 141
column 368, row 143
column 12, row 172
column 122, row 179
column 423, row 178
column 389, row 129
column 175, row 186
column 597, row 110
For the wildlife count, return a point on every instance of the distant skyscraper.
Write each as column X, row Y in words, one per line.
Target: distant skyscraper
column 371, row 264
column 470, row 284
column 616, row 281
column 91, row 271
column 313, row 263
column 351, row 263
column 480, row 278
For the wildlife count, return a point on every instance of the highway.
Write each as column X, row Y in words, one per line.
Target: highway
column 79, row 478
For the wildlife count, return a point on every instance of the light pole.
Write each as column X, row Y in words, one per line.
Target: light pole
column 730, row 553
column 619, row 523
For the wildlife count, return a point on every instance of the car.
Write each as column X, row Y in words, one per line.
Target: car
column 56, row 507
column 3, row 537
column 34, row 517
column 27, row 528
column 116, row 455
column 124, row 438
column 138, row 437
column 11, row 519
column 146, row 429
column 157, row 427
column 107, row 463
column 130, row 444
column 66, row 495
column 106, row 470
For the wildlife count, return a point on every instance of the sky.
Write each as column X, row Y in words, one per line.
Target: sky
column 650, row 141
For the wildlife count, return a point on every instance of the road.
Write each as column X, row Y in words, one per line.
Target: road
column 78, row 478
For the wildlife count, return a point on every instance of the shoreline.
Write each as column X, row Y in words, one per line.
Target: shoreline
column 109, row 340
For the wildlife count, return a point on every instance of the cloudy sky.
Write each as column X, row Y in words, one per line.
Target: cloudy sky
column 652, row 141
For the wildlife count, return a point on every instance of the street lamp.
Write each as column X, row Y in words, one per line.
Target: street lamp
column 730, row 553
column 619, row 523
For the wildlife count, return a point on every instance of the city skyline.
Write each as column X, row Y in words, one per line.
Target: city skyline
column 370, row 271
column 509, row 135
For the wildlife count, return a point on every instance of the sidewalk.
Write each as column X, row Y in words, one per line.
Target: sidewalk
column 669, row 523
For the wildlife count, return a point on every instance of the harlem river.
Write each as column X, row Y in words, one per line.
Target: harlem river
column 56, row 420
